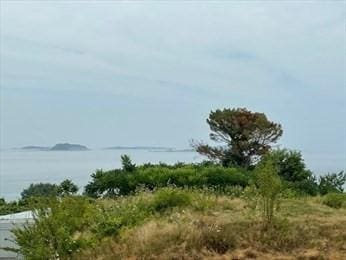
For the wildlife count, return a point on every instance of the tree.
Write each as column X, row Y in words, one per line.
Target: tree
column 290, row 164
column 293, row 171
column 127, row 164
column 332, row 182
column 247, row 136
column 40, row 190
column 269, row 187
column 67, row 187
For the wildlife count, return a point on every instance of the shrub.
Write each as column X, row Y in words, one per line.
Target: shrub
column 109, row 184
column 304, row 187
column 40, row 190
column 127, row 164
column 168, row 198
column 120, row 182
column 132, row 210
column 332, row 182
column 269, row 187
column 108, row 225
column 67, row 187
column 290, row 165
column 12, row 206
column 292, row 170
column 56, row 232
column 221, row 177
column 335, row 200
column 44, row 190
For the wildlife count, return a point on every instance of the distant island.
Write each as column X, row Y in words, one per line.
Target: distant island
column 187, row 150
column 138, row 148
column 68, row 147
column 57, row 147
column 149, row 148
column 79, row 147
column 36, row 148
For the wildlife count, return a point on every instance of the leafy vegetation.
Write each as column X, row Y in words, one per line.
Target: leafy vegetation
column 293, row 171
column 269, row 187
column 170, row 198
column 335, row 200
column 179, row 223
column 121, row 182
column 33, row 194
column 332, row 182
column 247, row 136
column 66, row 187
column 12, row 206
column 58, row 229
column 64, row 226
column 40, row 190
column 290, row 165
column 127, row 164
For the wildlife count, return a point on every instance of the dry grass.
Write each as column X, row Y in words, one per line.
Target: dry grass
column 304, row 229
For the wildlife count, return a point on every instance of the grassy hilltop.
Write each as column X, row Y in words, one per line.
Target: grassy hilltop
column 221, row 227
column 173, row 223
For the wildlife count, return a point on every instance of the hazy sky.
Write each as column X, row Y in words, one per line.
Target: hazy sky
column 148, row 73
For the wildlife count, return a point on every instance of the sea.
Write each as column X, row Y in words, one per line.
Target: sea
column 20, row 168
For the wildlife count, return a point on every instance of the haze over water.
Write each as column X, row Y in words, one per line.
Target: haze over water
column 18, row 168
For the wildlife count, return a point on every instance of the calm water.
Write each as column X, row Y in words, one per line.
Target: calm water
column 18, row 169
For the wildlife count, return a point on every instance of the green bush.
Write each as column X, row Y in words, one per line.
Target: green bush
column 40, row 190
column 12, row 206
column 304, row 187
column 132, row 210
column 120, row 182
column 293, row 171
column 63, row 226
column 290, row 165
column 332, row 182
column 56, row 232
column 44, row 190
column 168, row 198
column 108, row 225
column 67, row 187
column 127, row 164
column 335, row 200
column 269, row 187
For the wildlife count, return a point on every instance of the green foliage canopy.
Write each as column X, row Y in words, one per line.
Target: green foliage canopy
column 332, row 182
column 127, row 164
column 247, row 135
column 120, row 182
column 40, row 190
column 293, row 171
column 67, row 187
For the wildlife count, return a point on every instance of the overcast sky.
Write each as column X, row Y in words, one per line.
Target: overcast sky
column 148, row 73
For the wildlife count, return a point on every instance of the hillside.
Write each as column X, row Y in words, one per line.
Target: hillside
column 173, row 223
column 220, row 227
